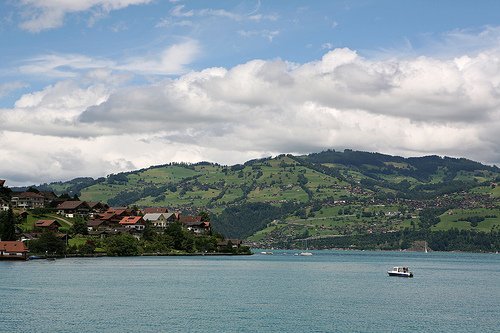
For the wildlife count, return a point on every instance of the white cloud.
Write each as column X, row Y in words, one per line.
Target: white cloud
column 182, row 12
column 267, row 34
column 7, row 88
column 62, row 65
column 408, row 106
column 171, row 60
column 39, row 15
column 327, row 46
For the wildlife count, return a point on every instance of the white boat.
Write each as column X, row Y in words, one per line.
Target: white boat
column 401, row 271
column 306, row 252
column 267, row 253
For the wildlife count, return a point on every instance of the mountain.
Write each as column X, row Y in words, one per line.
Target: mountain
column 285, row 199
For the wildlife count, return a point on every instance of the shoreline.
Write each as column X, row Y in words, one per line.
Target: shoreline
column 103, row 255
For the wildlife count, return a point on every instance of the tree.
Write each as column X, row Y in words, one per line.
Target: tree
column 122, row 245
column 7, row 226
column 149, row 233
column 33, row 190
column 65, row 196
column 79, row 227
column 205, row 217
column 48, row 243
column 175, row 231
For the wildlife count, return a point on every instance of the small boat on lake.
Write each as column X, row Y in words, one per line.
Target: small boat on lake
column 266, row 253
column 401, row 271
column 306, row 252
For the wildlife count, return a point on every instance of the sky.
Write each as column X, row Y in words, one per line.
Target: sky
column 94, row 87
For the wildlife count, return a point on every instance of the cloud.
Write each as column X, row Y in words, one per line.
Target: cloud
column 463, row 41
column 62, row 65
column 269, row 35
column 409, row 106
column 171, row 60
column 7, row 88
column 327, row 46
column 181, row 12
column 39, row 15
column 432, row 105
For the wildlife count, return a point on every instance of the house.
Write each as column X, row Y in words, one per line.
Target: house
column 2, row 182
column 159, row 220
column 103, row 233
column 73, row 208
column 13, row 250
column 189, row 219
column 49, row 196
column 96, row 208
column 28, row 236
column 198, row 228
column 113, row 216
column 133, row 222
column 96, row 225
column 126, row 210
column 195, row 224
column 51, row 225
column 28, row 200
column 233, row 243
column 4, row 205
column 23, row 216
column 154, row 210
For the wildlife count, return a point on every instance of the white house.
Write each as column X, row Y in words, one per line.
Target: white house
column 159, row 220
column 4, row 206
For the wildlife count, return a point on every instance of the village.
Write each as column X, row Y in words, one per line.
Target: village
column 100, row 222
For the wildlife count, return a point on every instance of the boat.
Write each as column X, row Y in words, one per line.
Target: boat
column 401, row 271
column 306, row 252
column 34, row 257
column 266, row 253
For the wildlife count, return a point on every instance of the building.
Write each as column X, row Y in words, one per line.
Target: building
column 195, row 224
column 160, row 220
column 97, row 208
column 4, row 205
column 113, row 216
column 154, row 210
column 73, row 208
column 28, row 200
column 13, row 250
column 133, row 222
column 51, row 225
column 199, row 228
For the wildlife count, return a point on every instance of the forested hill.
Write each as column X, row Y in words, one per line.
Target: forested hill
column 244, row 199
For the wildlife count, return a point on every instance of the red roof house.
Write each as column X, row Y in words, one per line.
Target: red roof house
column 52, row 225
column 13, row 250
column 136, row 222
column 154, row 210
column 189, row 219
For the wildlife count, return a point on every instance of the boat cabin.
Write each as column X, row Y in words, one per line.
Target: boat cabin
column 400, row 271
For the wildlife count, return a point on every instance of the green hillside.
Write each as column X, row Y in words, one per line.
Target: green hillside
column 321, row 196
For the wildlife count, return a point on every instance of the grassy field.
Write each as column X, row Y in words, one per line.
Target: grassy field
column 28, row 224
column 455, row 218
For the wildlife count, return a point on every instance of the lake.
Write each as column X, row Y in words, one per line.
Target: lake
column 331, row 291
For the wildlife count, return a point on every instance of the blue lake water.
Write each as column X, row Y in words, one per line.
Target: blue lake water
column 331, row 291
